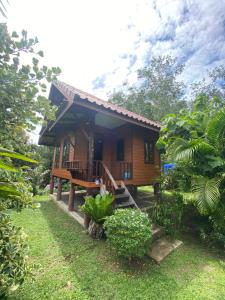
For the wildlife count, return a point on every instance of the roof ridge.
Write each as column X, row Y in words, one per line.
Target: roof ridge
column 105, row 103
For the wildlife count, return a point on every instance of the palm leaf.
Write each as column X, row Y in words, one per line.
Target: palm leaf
column 188, row 150
column 206, row 193
column 12, row 154
column 215, row 131
column 7, row 167
column 8, row 189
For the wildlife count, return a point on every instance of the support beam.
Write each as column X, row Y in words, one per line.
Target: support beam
column 61, row 153
column 54, row 157
column 52, row 184
column 90, row 155
column 59, row 191
column 71, row 197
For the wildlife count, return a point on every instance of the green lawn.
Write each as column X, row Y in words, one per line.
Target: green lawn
column 69, row 265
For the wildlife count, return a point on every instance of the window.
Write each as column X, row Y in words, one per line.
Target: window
column 120, row 150
column 149, row 152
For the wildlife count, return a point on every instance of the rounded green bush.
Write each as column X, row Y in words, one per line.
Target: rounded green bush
column 129, row 232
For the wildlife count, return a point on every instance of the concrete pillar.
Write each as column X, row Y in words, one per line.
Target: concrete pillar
column 59, row 190
column 71, row 197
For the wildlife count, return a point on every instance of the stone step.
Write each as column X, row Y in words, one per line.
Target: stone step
column 162, row 247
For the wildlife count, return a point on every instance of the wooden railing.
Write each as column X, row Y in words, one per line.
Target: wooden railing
column 108, row 179
column 80, row 170
column 125, row 170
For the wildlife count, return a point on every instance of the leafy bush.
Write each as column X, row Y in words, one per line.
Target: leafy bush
column 13, row 256
column 99, row 207
column 129, row 232
column 168, row 213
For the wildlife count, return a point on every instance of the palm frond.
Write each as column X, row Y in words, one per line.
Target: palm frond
column 206, row 192
column 182, row 150
column 215, row 131
column 12, row 154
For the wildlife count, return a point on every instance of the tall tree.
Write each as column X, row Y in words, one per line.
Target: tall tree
column 22, row 105
column 157, row 91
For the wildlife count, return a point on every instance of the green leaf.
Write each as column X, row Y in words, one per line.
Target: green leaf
column 12, row 154
column 7, row 167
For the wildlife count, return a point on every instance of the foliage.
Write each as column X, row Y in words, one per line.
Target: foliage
column 168, row 212
column 21, row 104
column 99, row 207
column 195, row 140
column 157, row 92
column 14, row 267
column 13, row 248
column 83, row 268
column 128, row 232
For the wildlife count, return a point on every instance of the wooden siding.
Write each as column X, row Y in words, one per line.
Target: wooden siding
column 144, row 173
column 134, row 137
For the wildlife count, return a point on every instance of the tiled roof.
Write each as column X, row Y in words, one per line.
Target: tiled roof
column 69, row 92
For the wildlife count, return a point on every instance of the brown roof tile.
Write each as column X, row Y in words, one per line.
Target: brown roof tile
column 69, row 92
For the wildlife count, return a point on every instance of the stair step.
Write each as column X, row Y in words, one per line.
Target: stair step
column 120, row 190
column 124, row 204
column 162, row 247
column 157, row 232
column 121, row 198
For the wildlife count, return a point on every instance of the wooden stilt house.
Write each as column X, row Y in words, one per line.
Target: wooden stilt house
column 97, row 143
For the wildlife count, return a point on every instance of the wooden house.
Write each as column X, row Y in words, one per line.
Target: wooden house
column 98, row 144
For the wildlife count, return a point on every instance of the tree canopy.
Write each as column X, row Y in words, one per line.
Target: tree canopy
column 157, row 91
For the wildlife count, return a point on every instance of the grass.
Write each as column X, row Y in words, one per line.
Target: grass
column 69, row 265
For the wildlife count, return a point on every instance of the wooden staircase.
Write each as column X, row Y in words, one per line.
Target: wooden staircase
column 123, row 198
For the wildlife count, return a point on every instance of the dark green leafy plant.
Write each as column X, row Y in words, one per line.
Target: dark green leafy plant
column 13, row 248
column 168, row 213
column 128, row 232
column 99, row 207
column 14, row 266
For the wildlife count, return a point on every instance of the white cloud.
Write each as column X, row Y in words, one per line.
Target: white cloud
column 89, row 38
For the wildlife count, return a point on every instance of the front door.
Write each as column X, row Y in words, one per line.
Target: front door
column 98, row 148
column 98, row 155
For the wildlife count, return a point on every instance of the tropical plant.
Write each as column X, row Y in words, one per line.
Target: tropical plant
column 197, row 142
column 168, row 212
column 128, row 232
column 14, row 267
column 99, row 207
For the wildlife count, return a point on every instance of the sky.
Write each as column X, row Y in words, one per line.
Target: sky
column 99, row 44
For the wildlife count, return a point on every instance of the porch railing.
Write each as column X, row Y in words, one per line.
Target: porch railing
column 80, row 170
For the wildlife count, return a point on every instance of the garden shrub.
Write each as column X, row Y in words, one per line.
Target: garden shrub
column 129, row 232
column 168, row 213
column 13, row 256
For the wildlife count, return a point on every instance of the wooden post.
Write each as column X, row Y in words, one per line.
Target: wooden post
column 52, row 184
column 90, row 154
column 54, row 157
column 71, row 197
column 59, row 191
column 61, row 153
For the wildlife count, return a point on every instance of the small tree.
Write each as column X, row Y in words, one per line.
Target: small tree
column 129, row 232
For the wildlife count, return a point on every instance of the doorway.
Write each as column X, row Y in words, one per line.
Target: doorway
column 98, row 148
column 98, row 156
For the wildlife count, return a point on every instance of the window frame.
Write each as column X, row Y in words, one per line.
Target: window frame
column 123, row 148
column 151, row 160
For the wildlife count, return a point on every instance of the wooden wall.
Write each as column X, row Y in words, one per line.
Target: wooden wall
column 134, row 137
column 144, row 173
